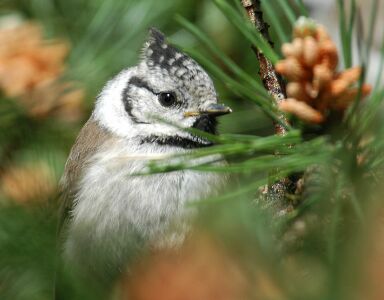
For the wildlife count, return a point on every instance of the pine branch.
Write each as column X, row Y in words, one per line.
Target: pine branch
column 275, row 86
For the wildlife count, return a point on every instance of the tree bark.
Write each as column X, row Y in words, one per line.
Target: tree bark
column 271, row 80
column 275, row 87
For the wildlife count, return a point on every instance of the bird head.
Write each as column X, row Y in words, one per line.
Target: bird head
column 165, row 93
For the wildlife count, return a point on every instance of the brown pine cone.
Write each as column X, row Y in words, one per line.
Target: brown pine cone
column 314, row 86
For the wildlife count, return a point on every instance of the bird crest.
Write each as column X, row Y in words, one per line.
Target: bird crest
column 158, row 53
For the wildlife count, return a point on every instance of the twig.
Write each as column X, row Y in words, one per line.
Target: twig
column 271, row 80
column 273, row 84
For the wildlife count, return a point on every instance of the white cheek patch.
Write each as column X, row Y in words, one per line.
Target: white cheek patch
column 109, row 109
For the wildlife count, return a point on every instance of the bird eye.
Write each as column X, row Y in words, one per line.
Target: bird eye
column 167, row 99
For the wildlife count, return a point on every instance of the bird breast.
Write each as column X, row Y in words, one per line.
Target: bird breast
column 114, row 204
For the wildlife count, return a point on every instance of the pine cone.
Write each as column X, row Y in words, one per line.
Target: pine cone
column 314, row 86
column 30, row 67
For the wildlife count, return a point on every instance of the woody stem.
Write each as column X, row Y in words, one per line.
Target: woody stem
column 272, row 83
column 271, row 80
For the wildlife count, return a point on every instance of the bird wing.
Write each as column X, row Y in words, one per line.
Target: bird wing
column 91, row 137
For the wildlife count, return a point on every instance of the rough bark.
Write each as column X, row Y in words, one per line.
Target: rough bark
column 271, row 80
column 276, row 88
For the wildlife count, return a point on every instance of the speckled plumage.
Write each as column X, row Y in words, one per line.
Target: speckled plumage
column 109, row 208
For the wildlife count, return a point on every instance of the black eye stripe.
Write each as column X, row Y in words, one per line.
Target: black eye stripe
column 141, row 83
column 138, row 82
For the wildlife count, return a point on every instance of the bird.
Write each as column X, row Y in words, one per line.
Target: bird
column 108, row 209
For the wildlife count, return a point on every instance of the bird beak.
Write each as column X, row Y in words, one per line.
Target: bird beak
column 213, row 109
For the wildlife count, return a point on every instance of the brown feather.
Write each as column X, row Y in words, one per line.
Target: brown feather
column 91, row 137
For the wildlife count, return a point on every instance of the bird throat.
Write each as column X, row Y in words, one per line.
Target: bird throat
column 206, row 123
